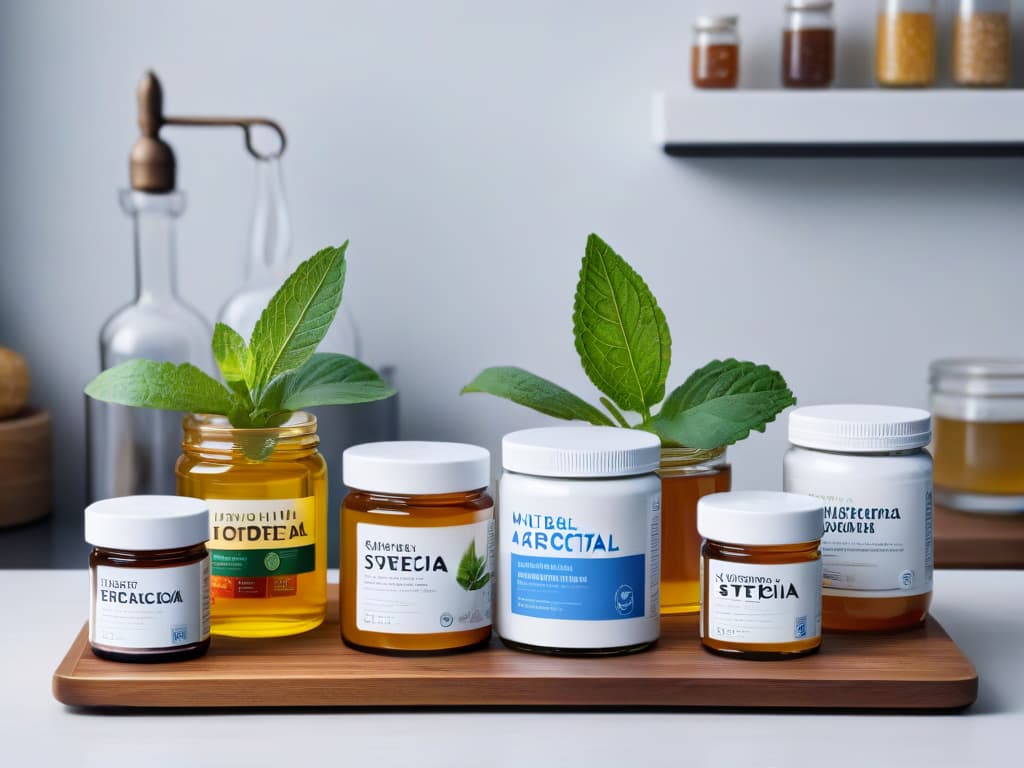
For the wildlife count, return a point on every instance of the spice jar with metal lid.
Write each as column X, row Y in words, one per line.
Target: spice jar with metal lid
column 760, row 574
column 808, row 44
column 417, row 547
column 982, row 43
column 715, row 54
column 150, row 575
column 869, row 467
column 978, row 439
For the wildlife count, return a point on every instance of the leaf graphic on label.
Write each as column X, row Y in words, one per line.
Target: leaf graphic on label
column 472, row 574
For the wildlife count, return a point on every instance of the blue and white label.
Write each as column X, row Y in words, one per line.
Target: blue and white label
column 574, row 588
column 579, row 561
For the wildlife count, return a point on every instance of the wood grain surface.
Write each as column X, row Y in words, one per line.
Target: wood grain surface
column 26, row 459
column 917, row 670
column 968, row 540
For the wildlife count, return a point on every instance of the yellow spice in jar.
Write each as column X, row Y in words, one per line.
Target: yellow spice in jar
column 981, row 49
column 905, row 52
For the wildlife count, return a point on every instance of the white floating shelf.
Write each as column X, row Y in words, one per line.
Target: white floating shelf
column 838, row 123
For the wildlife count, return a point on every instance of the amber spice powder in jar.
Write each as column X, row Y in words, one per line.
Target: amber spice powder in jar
column 905, row 43
column 715, row 54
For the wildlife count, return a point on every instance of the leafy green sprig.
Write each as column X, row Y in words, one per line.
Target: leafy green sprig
column 625, row 347
column 277, row 373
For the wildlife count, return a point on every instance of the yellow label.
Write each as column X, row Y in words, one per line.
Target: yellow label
column 262, row 523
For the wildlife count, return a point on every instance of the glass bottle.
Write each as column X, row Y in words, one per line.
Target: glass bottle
column 132, row 450
column 686, row 474
column 982, row 43
column 267, row 493
column 905, row 46
column 978, row 434
column 808, row 44
column 715, row 55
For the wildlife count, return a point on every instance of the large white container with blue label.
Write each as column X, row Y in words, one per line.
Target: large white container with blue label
column 579, row 540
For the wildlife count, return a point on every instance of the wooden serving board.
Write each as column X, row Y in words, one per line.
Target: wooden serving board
column 922, row 669
column 967, row 540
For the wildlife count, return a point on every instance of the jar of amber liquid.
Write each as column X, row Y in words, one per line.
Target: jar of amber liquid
column 978, row 440
column 417, row 547
column 869, row 467
column 715, row 55
column 687, row 474
column 267, row 493
column 760, row 574
column 808, row 44
column 982, row 44
column 905, row 44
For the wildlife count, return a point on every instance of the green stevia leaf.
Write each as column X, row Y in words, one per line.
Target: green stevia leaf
column 169, row 387
column 721, row 403
column 471, row 574
column 298, row 316
column 534, row 392
column 621, row 334
column 232, row 356
column 331, row 379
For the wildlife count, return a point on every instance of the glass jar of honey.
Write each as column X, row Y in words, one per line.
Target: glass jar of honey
column 687, row 474
column 715, row 55
column 808, row 44
column 267, row 494
column 905, row 44
column 978, row 440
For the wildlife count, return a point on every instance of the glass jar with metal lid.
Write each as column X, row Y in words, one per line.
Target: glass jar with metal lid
column 808, row 44
column 905, row 43
column 978, row 442
column 715, row 55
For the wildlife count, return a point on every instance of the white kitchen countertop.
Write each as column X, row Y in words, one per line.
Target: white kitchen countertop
column 982, row 610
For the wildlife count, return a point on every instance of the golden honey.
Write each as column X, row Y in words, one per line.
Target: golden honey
column 905, row 48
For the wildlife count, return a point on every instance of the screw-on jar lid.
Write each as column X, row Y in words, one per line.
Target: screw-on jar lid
column 760, row 518
column 147, row 523
column 809, row 5
column 581, row 452
column 990, row 377
column 716, row 23
column 412, row 467
column 860, row 428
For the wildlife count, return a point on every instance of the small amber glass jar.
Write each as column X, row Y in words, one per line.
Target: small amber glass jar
column 715, row 54
column 687, row 474
column 808, row 44
column 760, row 574
column 267, row 493
column 150, row 575
column 417, row 547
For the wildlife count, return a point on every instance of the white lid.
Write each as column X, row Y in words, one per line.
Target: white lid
column 760, row 518
column 147, row 523
column 581, row 452
column 711, row 23
column 860, row 428
column 412, row 467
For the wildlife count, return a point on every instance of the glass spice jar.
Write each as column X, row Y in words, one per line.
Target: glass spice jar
column 715, row 55
column 808, row 44
column 905, row 45
column 687, row 475
column 982, row 42
column 267, row 493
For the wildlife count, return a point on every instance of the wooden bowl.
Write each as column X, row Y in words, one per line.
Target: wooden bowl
column 26, row 468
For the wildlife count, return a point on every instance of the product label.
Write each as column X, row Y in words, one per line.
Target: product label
column 877, row 544
column 150, row 607
column 259, row 547
column 762, row 604
column 417, row 581
column 605, row 569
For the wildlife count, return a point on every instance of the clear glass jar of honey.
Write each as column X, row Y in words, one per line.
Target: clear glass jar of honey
column 687, row 474
column 978, row 438
column 760, row 574
column 715, row 53
column 267, row 493
column 417, row 547
column 905, row 43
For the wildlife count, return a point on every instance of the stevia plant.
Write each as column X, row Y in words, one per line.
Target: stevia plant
column 277, row 373
column 625, row 348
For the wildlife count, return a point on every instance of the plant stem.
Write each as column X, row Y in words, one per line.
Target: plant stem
column 616, row 414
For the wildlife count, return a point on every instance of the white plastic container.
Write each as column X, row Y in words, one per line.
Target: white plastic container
column 867, row 463
column 579, row 540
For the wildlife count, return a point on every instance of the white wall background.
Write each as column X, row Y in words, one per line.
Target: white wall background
column 467, row 148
